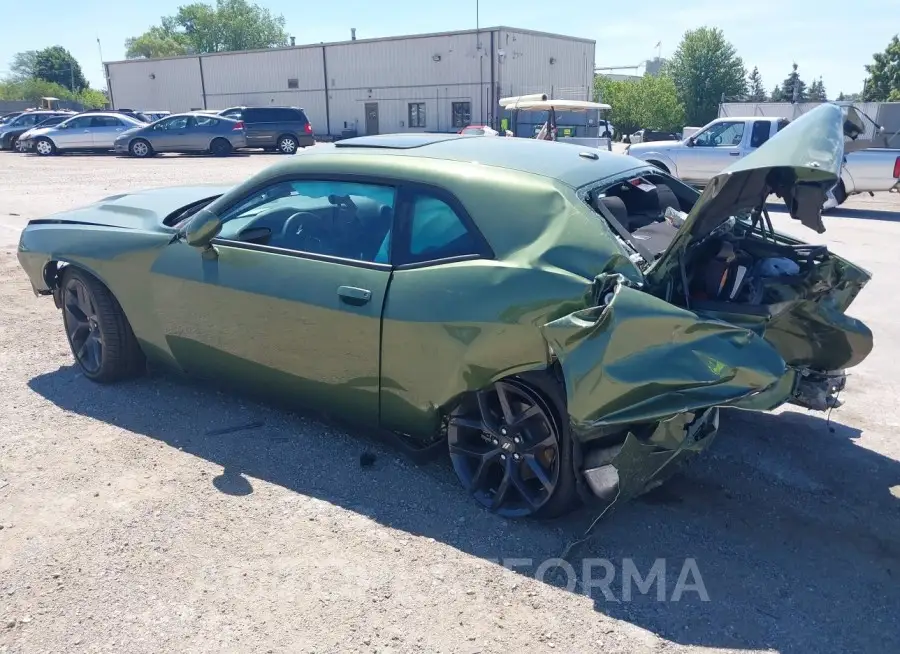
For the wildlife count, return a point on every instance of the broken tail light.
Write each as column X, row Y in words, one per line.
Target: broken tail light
column 897, row 168
column 239, row 125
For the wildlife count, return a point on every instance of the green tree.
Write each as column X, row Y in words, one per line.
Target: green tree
column 884, row 75
column 706, row 69
column 22, row 66
column 649, row 102
column 817, row 91
column 56, row 64
column 198, row 28
column 787, row 89
column 92, row 99
column 756, row 92
column 32, row 90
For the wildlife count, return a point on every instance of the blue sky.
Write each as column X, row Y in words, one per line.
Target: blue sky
column 822, row 36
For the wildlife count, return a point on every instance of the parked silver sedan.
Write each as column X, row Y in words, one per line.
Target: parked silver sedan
column 85, row 131
column 190, row 132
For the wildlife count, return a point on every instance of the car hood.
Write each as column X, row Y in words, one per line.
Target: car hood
column 799, row 164
column 39, row 131
column 131, row 131
column 140, row 210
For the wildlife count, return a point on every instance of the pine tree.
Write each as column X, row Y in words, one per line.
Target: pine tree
column 776, row 96
column 792, row 84
column 817, row 91
column 756, row 90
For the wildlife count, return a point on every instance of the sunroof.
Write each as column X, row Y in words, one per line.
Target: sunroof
column 397, row 141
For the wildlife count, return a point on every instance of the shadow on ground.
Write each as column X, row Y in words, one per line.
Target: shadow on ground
column 790, row 522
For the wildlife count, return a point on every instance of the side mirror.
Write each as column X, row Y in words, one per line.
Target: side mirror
column 689, row 142
column 201, row 229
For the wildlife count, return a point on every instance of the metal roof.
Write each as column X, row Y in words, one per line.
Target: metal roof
column 562, row 161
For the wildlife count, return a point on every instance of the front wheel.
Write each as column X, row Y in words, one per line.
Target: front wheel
column 288, row 144
column 511, row 453
column 140, row 148
column 44, row 147
column 100, row 336
column 16, row 145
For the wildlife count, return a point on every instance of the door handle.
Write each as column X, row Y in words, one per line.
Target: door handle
column 353, row 295
column 735, row 154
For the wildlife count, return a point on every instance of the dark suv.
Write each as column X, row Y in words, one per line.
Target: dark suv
column 283, row 129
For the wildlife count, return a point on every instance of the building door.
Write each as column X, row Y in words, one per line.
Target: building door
column 371, row 118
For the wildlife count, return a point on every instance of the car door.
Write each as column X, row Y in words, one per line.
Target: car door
column 714, row 149
column 105, row 130
column 259, row 127
column 171, row 135
column 442, row 263
column 74, row 133
column 287, row 302
column 202, row 130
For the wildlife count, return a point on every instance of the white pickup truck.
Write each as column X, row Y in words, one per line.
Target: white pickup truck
column 707, row 152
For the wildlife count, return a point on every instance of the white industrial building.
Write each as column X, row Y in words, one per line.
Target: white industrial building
column 425, row 82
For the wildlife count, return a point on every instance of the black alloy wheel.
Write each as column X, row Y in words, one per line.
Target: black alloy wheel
column 82, row 324
column 505, row 447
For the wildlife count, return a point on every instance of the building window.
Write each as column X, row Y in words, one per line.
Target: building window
column 293, row 83
column 462, row 114
column 417, row 114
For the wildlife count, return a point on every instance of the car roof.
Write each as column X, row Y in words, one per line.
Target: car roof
column 574, row 165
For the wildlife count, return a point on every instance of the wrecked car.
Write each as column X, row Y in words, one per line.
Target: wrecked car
column 565, row 323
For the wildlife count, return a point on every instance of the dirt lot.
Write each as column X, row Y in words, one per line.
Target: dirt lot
column 128, row 527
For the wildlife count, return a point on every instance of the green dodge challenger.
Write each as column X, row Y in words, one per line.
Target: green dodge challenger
column 564, row 322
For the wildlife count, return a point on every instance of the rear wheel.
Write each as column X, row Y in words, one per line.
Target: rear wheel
column 220, row 147
column 140, row 148
column 287, row 144
column 44, row 147
column 511, row 453
column 98, row 332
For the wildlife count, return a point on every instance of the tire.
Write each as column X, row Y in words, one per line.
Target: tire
column 288, row 144
column 14, row 144
column 44, row 147
column 660, row 166
column 220, row 147
column 515, row 467
column 140, row 148
column 99, row 335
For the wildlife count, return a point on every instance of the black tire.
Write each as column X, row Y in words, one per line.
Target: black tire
column 288, row 144
column 13, row 142
column 535, row 472
column 840, row 193
column 659, row 165
column 99, row 335
column 220, row 147
column 140, row 148
column 44, row 147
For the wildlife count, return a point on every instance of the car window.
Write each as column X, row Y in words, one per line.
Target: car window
column 760, row 133
column 106, row 121
column 79, row 123
column 205, row 121
column 25, row 120
column 725, row 134
column 179, row 122
column 341, row 219
column 437, row 231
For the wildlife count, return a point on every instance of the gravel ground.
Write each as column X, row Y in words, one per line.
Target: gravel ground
column 128, row 527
